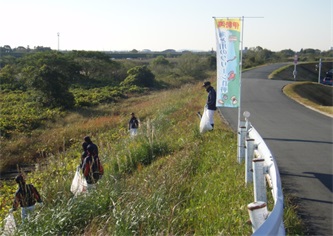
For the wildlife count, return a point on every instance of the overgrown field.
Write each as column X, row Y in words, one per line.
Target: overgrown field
column 169, row 180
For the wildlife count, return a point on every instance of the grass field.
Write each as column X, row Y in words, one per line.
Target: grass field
column 169, row 180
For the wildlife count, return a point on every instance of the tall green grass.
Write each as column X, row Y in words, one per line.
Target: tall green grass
column 169, row 180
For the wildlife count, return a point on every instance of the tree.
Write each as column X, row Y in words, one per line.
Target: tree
column 191, row 64
column 287, row 53
column 160, row 60
column 8, row 79
column 257, row 56
column 6, row 60
column 211, row 60
column 139, row 76
column 160, row 66
column 95, row 65
column 50, row 73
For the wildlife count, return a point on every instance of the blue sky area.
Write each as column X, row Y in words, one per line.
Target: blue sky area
column 114, row 25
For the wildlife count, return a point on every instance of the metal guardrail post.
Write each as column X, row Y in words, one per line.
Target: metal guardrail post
column 259, row 180
column 249, row 153
column 241, row 142
column 265, row 167
column 247, row 114
column 258, row 213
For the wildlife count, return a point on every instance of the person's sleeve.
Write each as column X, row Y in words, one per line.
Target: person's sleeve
column 16, row 202
column 36, row 194
column 86, row 168
column 101, row 169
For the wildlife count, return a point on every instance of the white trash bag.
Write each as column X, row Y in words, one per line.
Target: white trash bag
column 10, row 225
column 205, row 123
column 79, row 183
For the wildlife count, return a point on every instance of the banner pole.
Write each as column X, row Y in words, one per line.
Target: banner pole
column 240, row 74
column 241, row 139
column 222, row 60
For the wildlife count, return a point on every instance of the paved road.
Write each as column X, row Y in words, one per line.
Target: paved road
column 299, row 138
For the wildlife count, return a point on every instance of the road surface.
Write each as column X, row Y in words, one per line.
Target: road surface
column 299, row 138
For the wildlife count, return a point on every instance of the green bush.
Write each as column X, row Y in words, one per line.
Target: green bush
column 140, row 76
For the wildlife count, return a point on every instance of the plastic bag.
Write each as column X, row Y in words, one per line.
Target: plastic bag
column 79, row 183
column 204, row 123
column 10, row 225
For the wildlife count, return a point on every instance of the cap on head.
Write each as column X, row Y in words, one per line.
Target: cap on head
column 205, row 84
column 19, row 179
column 132, row 113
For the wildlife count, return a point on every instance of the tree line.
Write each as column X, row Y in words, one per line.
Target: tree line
column 52, row 73
column 67, row 80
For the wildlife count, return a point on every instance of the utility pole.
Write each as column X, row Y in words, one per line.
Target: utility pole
column 319, row 70
column 58, row 39
column 295, row 63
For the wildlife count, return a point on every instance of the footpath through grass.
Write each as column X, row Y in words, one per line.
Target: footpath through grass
column 169, row 180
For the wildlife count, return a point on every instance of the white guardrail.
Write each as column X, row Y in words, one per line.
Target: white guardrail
column 261, row 168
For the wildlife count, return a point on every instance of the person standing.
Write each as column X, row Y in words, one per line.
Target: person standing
column 26, row 197
column 92, row 168
column 88, row 141
column 211, row 101
column 133, row 125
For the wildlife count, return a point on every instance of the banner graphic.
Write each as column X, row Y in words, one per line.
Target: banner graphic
column 228, row 32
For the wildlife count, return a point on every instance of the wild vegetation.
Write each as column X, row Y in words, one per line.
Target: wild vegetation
column 168, row 180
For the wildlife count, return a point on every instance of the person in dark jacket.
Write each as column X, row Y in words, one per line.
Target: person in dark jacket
column 94, row 146
column 211, row 101
column 26, row 197
column 92, row 168
column 133, row 125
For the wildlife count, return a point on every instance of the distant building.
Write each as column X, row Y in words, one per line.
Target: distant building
column 42, row 49
column 21, row 49
column 7, row 48
column 169, row 51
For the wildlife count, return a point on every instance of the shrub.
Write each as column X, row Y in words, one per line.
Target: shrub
column 140, row 76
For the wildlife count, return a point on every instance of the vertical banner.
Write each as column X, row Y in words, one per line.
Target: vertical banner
column 228, row 33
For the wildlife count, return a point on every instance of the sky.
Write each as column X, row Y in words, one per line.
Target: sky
column 157, row 25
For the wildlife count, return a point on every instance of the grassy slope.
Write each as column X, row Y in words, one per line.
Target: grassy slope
column 196, row 187
column 181, row 192
column 313, row 95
